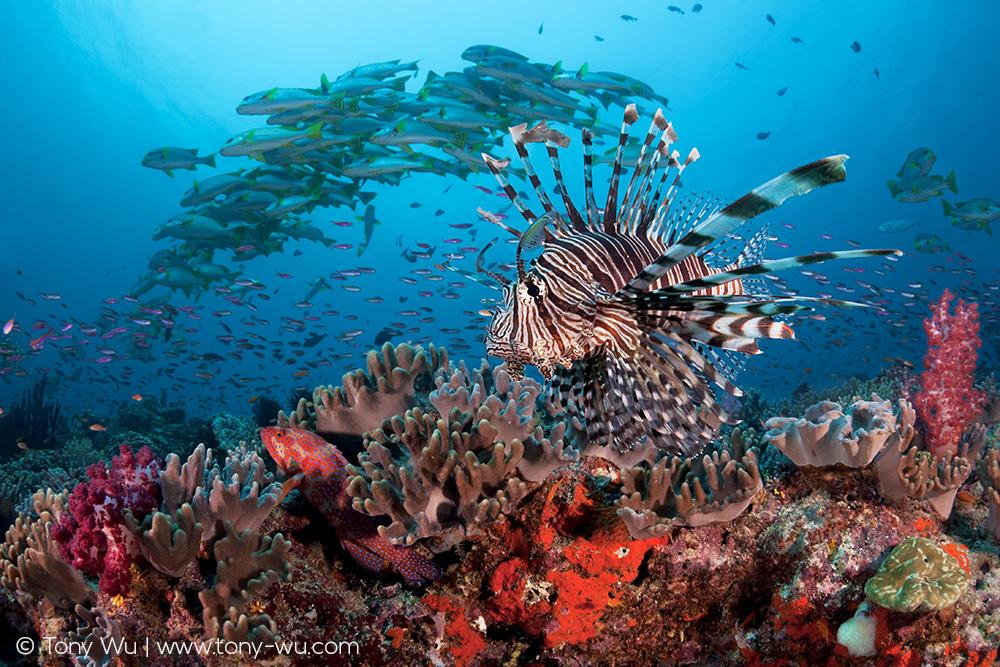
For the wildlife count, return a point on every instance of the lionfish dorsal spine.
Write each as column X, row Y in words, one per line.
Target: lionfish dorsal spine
column 636, row 212
column 654, row 127
column 518, row 133
column 611, row 206
column 552, row 148
column 588, row 179
column 496, row 167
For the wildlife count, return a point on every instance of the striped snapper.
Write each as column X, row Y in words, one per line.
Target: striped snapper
column 632, row 311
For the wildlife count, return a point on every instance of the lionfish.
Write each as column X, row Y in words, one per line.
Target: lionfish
column 633, row 311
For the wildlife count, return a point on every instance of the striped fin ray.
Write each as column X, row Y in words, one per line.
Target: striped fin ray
column 611, row 206
column 696, row 359
column 496, row 220
column 728, row 363
column 773, row 266
column 650, row 202
column 497, row 166
column 763, row 304
column 683, row 219
column 657, row 125
column 668, row 199
column 701, row 414
column 643, row 202
column 733, row 251
column 521, row 135
column 552, row 148
column 588, row 179
column 762, row 198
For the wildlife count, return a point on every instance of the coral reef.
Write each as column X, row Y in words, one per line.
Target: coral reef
column 246, row 564
column 909, row 471
column 92, row 535
column 948, row 401
column 989, row 475
column 230, row 430
column 827, row 435
column 32, row 563
column 555, row 556
column 918, row 576
column 716, row 487
column 367, row 398
column 437, row 480
column 57, row 468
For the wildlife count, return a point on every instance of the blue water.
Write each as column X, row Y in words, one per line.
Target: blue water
column 88, row 89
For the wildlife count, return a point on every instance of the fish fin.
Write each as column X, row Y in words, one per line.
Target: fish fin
column 582, row 72
column 315, row 131
column 611, row 205
column 169, row 172
column 761, row 199
column 366, row 197
column 948, row 209
column 210, row 160
column 772, row 266
column 324, row 83
column 557, row 69
column 950, row 180
column 398, row 84
column 893, row 187
column 377, row 554
column 289, row 484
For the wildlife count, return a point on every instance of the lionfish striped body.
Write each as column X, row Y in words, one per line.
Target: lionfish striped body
column 626, row 312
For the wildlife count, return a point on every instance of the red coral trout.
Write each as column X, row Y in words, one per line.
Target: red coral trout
column 320, row 471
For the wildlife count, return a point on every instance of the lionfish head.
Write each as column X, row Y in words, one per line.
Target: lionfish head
column 528, row 329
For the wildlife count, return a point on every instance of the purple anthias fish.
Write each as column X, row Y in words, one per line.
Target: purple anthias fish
column 320, row 471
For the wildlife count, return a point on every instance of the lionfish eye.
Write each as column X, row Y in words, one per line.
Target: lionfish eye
column 533, row 290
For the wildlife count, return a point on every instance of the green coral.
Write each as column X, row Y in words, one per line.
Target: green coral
column 918, row 576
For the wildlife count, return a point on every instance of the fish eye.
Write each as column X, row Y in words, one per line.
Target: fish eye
column 533, row 290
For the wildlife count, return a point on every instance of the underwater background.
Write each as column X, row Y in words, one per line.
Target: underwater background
column 135, row 320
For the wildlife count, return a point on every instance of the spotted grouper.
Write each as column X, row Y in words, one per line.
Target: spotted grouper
column 320, row 471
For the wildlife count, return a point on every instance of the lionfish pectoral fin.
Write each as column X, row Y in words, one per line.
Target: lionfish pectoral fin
column 762, row 198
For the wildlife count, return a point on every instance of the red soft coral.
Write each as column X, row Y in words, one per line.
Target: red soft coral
column 947, row 401
column 92, row 535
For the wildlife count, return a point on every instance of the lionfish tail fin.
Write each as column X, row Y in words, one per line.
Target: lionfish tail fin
column 762, row 198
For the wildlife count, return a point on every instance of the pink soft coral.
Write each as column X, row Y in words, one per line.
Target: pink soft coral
column 92, row 535
column 947, row 401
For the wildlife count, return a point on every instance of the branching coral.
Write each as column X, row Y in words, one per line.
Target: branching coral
column 242, row 491
column 168, row 541
column 92, row 535
column 918, row 576
column 718, row 487
column 444, row 477
column 246, row 564
column 509, row 405
column 97, row 634
column 989, row 475
column 908, row 471
column 827, row 435
column 366, row 399
column 437, row 480
column 30, row 558
column 947, row 401
column 198, row 497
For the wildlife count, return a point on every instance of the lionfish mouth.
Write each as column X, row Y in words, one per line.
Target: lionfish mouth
column 678, row 306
